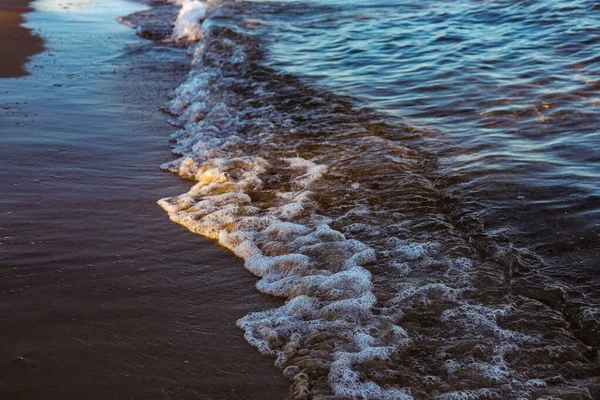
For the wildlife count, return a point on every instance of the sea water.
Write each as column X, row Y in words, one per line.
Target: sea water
column 420, row 181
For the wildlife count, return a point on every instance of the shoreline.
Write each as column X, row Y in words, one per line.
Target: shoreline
column 102, row 295
column 17, row 42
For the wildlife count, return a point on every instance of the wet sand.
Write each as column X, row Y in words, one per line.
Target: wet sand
column 17, row 43
column 101, row 295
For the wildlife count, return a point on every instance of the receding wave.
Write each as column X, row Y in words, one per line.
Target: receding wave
column 339, row 211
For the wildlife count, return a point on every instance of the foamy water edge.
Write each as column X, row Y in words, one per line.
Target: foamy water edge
column 328, row 324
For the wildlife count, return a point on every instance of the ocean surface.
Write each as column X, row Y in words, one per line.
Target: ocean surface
column 420, row 181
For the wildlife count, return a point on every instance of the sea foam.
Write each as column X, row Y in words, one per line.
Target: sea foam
column 188, row 23
column 326, row 326
column 376, row 306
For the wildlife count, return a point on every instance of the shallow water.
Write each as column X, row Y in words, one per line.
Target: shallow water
column 100, row 296
column 419, row 181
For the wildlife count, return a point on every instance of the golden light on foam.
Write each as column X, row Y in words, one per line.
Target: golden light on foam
column 210, row 176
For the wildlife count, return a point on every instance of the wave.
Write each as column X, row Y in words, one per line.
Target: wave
column 337, row 210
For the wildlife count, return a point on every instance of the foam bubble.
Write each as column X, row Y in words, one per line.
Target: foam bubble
column 188, row 24
column 477, row 394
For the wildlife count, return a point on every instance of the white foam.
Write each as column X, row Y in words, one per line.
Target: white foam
column 482, row 319
column 258, row 201
column 188, row 24
column 320, row 270
column 476, row 394
column 312, row 172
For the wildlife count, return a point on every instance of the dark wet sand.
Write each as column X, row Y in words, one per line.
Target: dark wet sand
column 101, row 296
column 17, row 43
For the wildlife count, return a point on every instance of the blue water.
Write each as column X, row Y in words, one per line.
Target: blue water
column 420, row 181
column 510, row 88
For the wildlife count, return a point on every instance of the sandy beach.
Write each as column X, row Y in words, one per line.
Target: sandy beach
column 101, row 296
column 18, row 43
